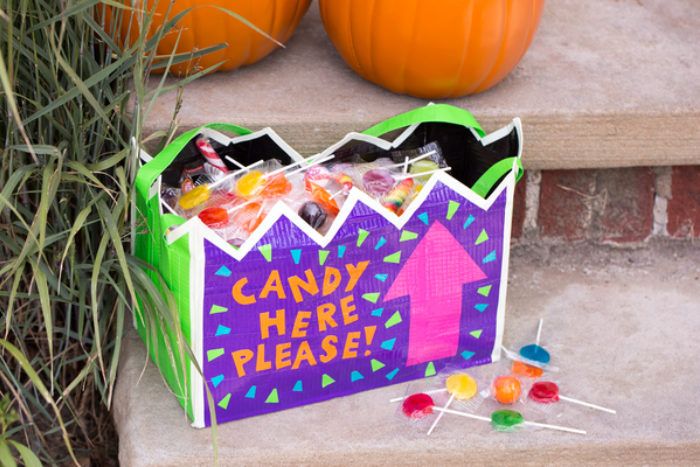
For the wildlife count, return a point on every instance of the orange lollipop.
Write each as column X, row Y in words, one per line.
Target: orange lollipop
column 506, row 389
column 523, row 369
column 249, row 217
column 323, row 198
column 277, row 185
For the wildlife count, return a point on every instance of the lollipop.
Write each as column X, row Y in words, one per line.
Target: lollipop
column 421, row 167
column 421, row 405
column 533, row 351
column 506, row 389
column 323, row 198
column 459, row 386
column 396, row 197
column 210, row 155
column 201, row 193
column 546, row 392
column 378, row 182
column 509, row 420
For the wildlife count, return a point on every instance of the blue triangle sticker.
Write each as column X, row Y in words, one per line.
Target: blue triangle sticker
column 216, row 380
column 296, row 255
column 423, row 217
column 356, row 375
column 467, row 354
column 222, row 330
column 223, row 271
column 298, row 387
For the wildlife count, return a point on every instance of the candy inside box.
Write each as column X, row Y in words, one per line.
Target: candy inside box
column 282, row 308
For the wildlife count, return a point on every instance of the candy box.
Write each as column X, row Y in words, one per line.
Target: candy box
column 293, row 317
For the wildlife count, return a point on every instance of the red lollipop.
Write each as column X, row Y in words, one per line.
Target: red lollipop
column 418, row 405
column 546, row 392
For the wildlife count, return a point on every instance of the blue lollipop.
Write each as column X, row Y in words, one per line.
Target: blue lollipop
column 534, row 351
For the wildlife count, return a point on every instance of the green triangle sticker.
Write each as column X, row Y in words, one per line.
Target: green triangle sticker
column 326, row 380
column 377, row 365
column 361, row 236
column 394, row 320
column 407, row 235
column 273, row 398
column 476, row 334
column 266, row 251
column 217, row 309
column 485, row 290
column 483, row 236
column 223, row 403
column 214, row 353
column 371, row 297
column 393, row 258
column 322, row 256
column 452, row 209
column 430, row 370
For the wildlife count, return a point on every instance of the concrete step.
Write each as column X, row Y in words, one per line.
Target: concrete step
column 622, row 327
column 604, row 84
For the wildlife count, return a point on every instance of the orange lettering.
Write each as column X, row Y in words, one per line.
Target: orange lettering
column 273, row 284
column 240, row 358
column 238, row 295
column 351, row 344
column 310, row 286
column 266, row 323
column 328, row 345
column 300, row 324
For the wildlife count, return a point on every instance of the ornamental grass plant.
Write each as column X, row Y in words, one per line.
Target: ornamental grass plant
column 73, row 97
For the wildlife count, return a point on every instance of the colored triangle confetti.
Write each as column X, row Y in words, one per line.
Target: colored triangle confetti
column 223, row 271
column 326, row 380
column 394, row 320
column 214, row 353
column 452, row 209
column 355, row 376
column 322, row 256
column 430, row 369
column 296, row 255
column 371, row 297
column 468, row 222
column 407, row 235
column 476, row 333
column 298, row 387
column 216, row 380
column 361, row 236
column 481, row 306
column 251, row 392
column 423, row 217
column 377, row 312
column 376, row 365
column 380, row 243
column 490, row 257
column 217, row 309
column 391, row 374
column 222, row 330
column 223, row 403
column 388, row 344
column 341, row 250
column 483, row 236
column 266, row 251
column 273, row 398
column 467, row 354
column 381, row 277
column 485, row 290
column 393, row 258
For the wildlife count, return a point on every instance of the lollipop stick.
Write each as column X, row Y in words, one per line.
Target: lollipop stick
column 434, row 391
column 539, row 332
column 461, row 414
column 336, row 194
column 311, row 161
column 233, row 174
column 447, row 405
column 169, row 208
column 411, row 161
column 429, row 172
column 405, row 165
column 556, row 427
column 587, row 404
column 234, row 162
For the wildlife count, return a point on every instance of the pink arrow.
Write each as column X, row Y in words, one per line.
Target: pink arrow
column 433, row 277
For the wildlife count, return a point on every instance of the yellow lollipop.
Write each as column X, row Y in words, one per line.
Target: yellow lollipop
column 460, row 386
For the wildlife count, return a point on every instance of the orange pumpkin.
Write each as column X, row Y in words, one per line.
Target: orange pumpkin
column 432, row 48
column 206, row 26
